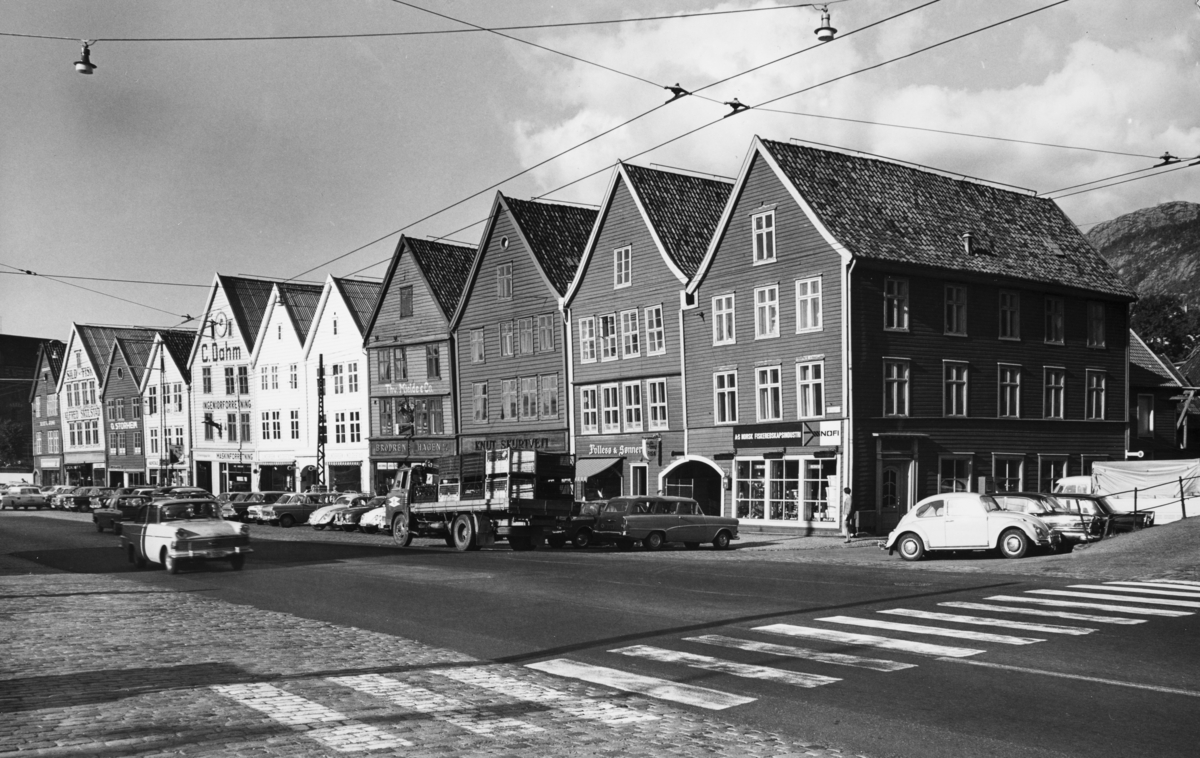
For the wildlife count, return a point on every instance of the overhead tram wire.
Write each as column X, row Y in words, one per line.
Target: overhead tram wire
column 1126, row 181
column 97, row 292
column 427, row 32
column 103, row 279
column 581, row 144
column 1107, row 178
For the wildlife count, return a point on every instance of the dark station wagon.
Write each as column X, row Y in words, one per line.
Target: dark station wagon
column 656, row 520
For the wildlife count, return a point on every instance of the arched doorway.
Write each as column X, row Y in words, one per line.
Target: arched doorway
column 697, row 479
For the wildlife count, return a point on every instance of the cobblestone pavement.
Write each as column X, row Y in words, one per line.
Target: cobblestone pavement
column 102, row 666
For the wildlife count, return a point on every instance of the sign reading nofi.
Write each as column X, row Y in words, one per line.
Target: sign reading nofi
column 802, row 434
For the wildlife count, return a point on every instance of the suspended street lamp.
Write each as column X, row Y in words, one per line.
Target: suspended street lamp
column 84, row 65
column 825, row 32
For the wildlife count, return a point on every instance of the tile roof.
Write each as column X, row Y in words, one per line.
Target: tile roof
column 885, row 211
column 98, row 341
column 248, row 300
column 557, row 235
column 446, row 266
column 137, row 354
column 300, row 301
column 54, row 356
column 683, row 209
column 361, row 296
column 179, row 346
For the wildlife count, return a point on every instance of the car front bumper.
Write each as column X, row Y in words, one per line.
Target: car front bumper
column 185, row 553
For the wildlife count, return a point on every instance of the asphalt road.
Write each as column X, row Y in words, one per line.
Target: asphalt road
column 1036, row 699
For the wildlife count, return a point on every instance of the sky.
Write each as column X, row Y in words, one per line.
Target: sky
column 277, row 158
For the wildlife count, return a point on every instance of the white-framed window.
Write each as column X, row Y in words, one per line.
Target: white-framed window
column 479, row 402
column 352, row 376
column 266, row 422
column 608, row 338
column 433, row 362
column 1054, row 398
column 1096, row 330
column 769, row 386
column 631, row 335
column 1008, row 403
column 545, row 334
column 895, row 386
column 895, row 304
column 153, row 442
column 509, row 399
column 294, row 417
column 293, row 376
column 725, row 397
column 1051, row 468
column 656, row 391
column 632, row 392
column 610, row 408
column 355, row 426
column 956, row 310
column 478, row 346
column 339, row 428
column 1055, row 321
column 1145, row 415
column 954, row 393
column 276, row 427
column 504, row 281
column 529, row 397
column 275, row 377
column 1008, row 473
column 339, row 384
column 587, row 340
column 656, row 332
column 525, row 332
column 266, row 382
column 766, row 312
column 954, row 473
column 506, row 338
column 589, row 410
column 622, row 267
column 808, row 305
column 723, row 320
column 549, row 390
column 1010, row 315
column 764, row 236
column 810, row 389
column 1097, row 384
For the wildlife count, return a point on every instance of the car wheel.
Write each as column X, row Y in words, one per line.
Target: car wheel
column 237, row 561
column 911, row 547
column 582, row 538
column 401, row 531
column 463, row 531
column 691, row 545
column 99, row 526
column 653, row 541
column 721, row 541
column 287, row 521
column 170, row 562
column 1014, row 544
column 349, row 527
column 557, row 540
column 370, row 529
column 626, row 545
column 319, row 527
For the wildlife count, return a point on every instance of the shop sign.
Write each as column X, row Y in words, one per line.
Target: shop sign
column 85, row 372
column 555, row 441
column 411, row 448
column 643, row 447
column 234, row 456
column 48, row 462
column 87, row 412
column 124, row 425
column 220, row 405
column 404, row 388
column 796, row 434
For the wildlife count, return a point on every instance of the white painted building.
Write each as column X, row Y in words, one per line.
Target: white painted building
column 166, row 390
column 336, row 339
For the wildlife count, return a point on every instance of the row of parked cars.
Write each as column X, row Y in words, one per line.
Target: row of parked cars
column 1012, row 522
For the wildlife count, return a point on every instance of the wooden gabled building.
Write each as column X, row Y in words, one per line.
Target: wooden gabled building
column 510, row 341
column 47, row 423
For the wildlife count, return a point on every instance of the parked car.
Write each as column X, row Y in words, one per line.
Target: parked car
column 58, row 498
column 120, row 508
column 347, row 517
column 243, row 501
column 1081, row 485
column 322, row 516
column 656, row 520
column 23, row 496
column 170, row 532
column 579, row 528
column 1107, row 520
column 1072, row 527
column 375, row 520
column 296, row 510
column 81, row 498
column 184, row 493
column 967, row 521
column 100, row 498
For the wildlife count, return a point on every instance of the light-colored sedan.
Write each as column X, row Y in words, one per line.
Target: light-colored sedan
column 23, row 496
column 967, row 521
column 375, row 520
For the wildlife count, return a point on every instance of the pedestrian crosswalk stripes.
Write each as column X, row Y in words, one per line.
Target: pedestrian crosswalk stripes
column 938, row 631
column 868, row 640
column 688, row 694
column 1122, row 598
column 744, row 670
column 1048, row 614
column 441, row 707
column 1140, row 590
column 579, row 707
column 1097, row 606
column 985, row 621
column 1160, row 585
column 343, row 734
column 789, row 651
column 1187, row 582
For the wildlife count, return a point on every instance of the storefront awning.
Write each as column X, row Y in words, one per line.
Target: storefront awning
column 586, row 468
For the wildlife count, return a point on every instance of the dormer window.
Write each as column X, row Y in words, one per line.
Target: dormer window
column 764, row 237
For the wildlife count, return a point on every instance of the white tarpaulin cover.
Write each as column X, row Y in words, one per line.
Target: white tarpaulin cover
column 1157, row 484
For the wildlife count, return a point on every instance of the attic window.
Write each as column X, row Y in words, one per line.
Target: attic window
column 504, row 243
column 120, row 373
column 335, row 323
column 279, row 331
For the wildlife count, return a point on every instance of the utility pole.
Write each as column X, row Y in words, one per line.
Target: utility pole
column 321, row 429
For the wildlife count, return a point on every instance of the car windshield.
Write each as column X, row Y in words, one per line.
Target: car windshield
column 190, row 512
column 617, row 506
column 1104, row 506
column 989, row 503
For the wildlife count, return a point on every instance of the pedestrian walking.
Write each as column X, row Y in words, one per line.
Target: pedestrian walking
column 847, row 505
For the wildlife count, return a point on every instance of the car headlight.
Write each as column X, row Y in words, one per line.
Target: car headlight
column 1041, row 532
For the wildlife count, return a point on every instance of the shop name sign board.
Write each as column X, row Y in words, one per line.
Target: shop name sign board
column 124, row 425
column 86, row 412
column 797, row 434
column 235, row 456
column 405, row 388
column 212, row 352
column 74, row 374
column 231, row 405
column 411, row 448
column 556, row 441
column 646, row 448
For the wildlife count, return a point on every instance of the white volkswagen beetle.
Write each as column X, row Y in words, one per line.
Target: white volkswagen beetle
column 967, row 521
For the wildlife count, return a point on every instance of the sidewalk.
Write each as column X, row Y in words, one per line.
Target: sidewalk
column 99, row 666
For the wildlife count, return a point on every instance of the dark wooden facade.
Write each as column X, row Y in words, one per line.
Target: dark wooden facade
column 1159, row 429
column 47, row 422
column 123, row 417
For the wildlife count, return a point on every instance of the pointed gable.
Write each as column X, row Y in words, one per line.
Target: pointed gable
column 98, row 343
column 300, row 301
column 179, row 347
column 248, row 300
column 683, row 211
column 136, row 353
column 1146, row 369
column 360, row 296
column 557, row 235
column 882, row 210
column 446, row 267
